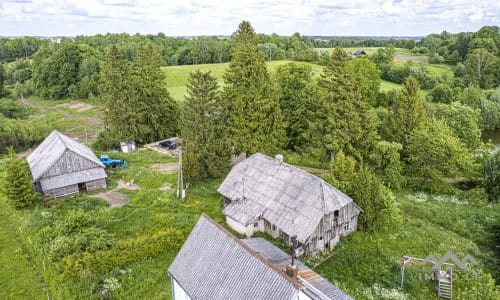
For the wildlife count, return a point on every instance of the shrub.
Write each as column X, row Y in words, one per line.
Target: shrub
column 124, row 252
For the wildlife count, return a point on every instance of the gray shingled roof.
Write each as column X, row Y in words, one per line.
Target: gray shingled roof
column 280, row 259
column 52, row 148
column 213, row 264
column 285, row 195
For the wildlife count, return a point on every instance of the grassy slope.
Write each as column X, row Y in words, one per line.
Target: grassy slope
column 17, row 277
column 364, row 260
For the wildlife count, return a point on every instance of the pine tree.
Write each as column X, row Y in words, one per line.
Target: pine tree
column 406, row 114
column 157, row 111
column 203, row 126
column 17, row 184
column 340, row 119
column 251, row 103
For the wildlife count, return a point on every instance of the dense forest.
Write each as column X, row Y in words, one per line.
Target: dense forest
column 424, row 136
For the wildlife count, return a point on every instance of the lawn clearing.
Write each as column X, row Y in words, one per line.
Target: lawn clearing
column 177, row 76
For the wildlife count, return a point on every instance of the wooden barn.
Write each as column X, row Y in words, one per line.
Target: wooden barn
column 61, row 166
column 268, row 195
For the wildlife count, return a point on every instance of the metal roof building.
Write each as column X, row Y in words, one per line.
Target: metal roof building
column 61, row 166
column 266, row 194
column 214, row 264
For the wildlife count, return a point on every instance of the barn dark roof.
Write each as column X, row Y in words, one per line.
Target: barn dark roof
column 292, row 199
column 52, row 148
column 214, row 264
column 319, row 287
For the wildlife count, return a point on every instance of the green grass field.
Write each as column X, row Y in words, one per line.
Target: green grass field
column 177, row 76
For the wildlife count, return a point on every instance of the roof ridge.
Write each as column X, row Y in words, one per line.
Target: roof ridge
column 250, row 250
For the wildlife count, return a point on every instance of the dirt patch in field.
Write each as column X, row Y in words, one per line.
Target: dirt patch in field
column 76, row 105
column 114, row 199
column 167, row 168
column 404, row 58
column 167, row 187
column 127, row 185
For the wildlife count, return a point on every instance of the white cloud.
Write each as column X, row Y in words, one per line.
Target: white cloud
column 201, row 17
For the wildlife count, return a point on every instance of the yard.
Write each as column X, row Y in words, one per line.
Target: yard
column 363, row 264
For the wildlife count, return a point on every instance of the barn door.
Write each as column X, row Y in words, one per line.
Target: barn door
column 82, row 187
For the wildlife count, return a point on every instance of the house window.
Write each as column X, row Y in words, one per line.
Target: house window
column 274, row 228
column 336, row 214
column 346, row 226
column 256, row 224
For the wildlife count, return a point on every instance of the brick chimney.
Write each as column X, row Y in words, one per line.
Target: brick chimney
column 292, row 270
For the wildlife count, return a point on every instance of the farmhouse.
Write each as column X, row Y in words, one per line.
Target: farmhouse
column 61, row 166
column 214, row 264
column 268, row 195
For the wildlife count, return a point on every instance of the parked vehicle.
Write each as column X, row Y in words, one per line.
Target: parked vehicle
column 168, row 144
column 113, row 163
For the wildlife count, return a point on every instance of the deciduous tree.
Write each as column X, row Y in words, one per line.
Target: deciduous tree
column 434, row 153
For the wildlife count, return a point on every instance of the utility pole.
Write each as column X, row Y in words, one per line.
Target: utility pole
column 180, row 178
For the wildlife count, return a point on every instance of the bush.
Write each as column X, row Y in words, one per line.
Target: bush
column 12, row 109
column 124, row 252
column 476, row 195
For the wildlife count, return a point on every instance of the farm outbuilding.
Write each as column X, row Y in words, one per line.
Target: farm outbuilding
column 268, row 195
column 61, row 166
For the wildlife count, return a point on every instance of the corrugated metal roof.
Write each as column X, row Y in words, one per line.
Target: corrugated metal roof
column 280, row 259
column 72, row 178
column 52, row 148
column 284, row 195
column 214, row 264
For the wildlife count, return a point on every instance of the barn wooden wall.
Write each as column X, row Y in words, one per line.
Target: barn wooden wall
column 96, row 184
column 69, row 163
column 63, row 191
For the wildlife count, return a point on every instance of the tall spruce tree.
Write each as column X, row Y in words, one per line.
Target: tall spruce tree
column 137, row 105
column 406, row 114
column 157, row 110
column 340, row 119
column 203, row 124
column 296, row 90
column 118, row 96
column 17, row 185
column 251, row 104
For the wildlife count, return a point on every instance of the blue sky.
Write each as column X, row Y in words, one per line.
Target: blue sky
column 221, row 17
